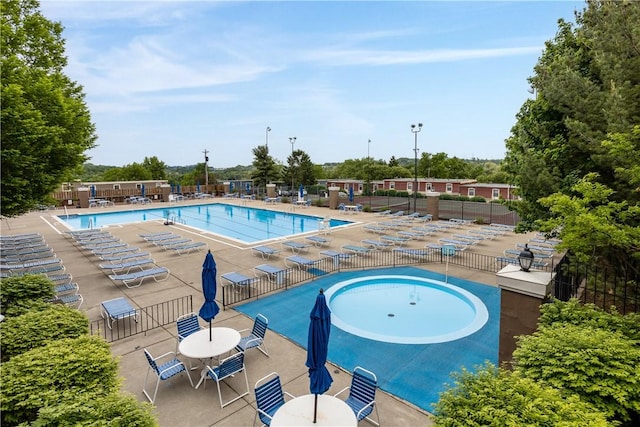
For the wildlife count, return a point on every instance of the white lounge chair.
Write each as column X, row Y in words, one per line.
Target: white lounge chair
column 237, row 280
column 130, row 279
column 300, row 262
column 127, row 266
column 187, row 247
column 318, row 241
column 265, row 252
column 296, row 247
column 275, row 274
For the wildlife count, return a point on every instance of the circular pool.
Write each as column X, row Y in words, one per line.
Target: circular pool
column 405, row 309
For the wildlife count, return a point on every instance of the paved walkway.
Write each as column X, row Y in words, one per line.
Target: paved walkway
column 177, row 403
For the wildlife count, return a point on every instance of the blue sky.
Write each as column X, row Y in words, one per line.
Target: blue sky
column 174, row 78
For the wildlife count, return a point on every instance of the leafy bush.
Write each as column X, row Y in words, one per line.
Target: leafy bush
column 575, row 313
column 15, row 291
column 38, row 328
column 479, row 220
column 113, row 410
column 601, row 366
column 494, row 396
column 445, row 196
column 56, row 374
column 478, row 199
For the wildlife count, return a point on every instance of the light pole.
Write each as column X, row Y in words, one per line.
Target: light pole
column 292, row 140
column 415, row 129
column 266, row 136
column 206, row 170
column 369, row 172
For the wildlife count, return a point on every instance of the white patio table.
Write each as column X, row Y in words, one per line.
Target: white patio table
column 198, row 345
column 299, row 412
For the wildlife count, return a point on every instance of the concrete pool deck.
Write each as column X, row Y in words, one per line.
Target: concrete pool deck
column 177, row 403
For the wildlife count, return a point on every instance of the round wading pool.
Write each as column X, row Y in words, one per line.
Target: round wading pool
column 405, row 309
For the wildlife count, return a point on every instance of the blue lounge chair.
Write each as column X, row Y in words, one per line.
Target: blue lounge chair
column 418, row 254
column 167, row 244
column 265, row 251
column 187, row 247
column 538, row 255
column 337, row 256
column 104, row 246
column 237, row 280
column 378, row 229
column 115, row 251
column 117, row 309
column 99, row 241
column 30, row 264
column 161, row 237
column 398, row 241
column 127, row 265
column 384, row 213
column 377, row 244
column 503, row 260
column 124, row 256
column 296, row 247
column 70, row 300
column 318, row 241
column 534, row 249
column 275, row 274
column 153, row 235
column 460, row 245
column 397, row 214
column 473, row 239
column 413, row 234
column 299, row 261
column 356, row 250
column 130, row 279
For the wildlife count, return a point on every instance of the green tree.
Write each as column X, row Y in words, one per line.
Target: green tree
column 587, row 89
column 299, row 169
column 497, row 397
column 157, row 168
column 265, row 169
column 45, row 124
column 131, row 172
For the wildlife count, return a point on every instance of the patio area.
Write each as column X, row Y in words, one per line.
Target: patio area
column 177, row 403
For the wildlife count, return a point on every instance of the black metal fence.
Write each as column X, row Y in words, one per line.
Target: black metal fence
column 267, row 284
column 142, row 319
column 601, row 286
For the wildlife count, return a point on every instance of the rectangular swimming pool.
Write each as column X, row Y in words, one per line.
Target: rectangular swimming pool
column 248, row 225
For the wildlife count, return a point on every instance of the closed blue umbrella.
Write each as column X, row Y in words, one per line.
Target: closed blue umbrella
column 351, row 194
column 231, row 187
column 209, row 309
column 248, row 188
column 172, row 188
column 93, row 191
column 317, row 348
column 301, row 192
column 198, row 186
column 142, row 190
column 179, row 189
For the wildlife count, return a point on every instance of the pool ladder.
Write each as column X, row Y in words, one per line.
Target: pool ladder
column 175, row 220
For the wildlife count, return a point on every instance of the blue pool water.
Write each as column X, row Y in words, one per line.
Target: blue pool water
column 248, row 225
column 405, row 309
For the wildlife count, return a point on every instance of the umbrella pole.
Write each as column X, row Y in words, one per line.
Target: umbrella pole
column 210, row 337
column 315, row 409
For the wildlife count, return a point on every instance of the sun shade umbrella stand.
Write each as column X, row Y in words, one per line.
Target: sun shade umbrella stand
column 317, row 348
column 209, row 309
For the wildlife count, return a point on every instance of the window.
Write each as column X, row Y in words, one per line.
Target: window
column 360, row 188
column 375, row 187
column 471, row 192
column 66, row 187
column 495, row 193
column 449, row 187
column 429, row 187
column 409, row 186
column 116, row 186
column 392, row 185
column 138, row 186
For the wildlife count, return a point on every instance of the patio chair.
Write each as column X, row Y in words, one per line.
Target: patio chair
column 318, row 241
column 337, row 256
column 397, row 214
column 127, row 265
column 398, row 241
column 163, row 371
column 384, row 213
column 473, row 239
column 362, row 394
column 265, row 252
column 377, row 244
column 229, row 367
column 255, row 338
column 296, row 247
column 237, row 280
column 413, row 234
column 116, row 309
column 299, row 261
column 269, row 397
column 70, row 300
column 277, row 274
column 373, row 228
column 356, row 250
column 168, row 244
column 186, row 325
column 187, row 248
column 121, row 257
column 130, row 279
column 115, row 251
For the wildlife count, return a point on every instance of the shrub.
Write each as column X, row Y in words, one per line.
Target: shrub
column 113, row 410
column 479, row 220
column 23, row 289
column 494, row 396
column 575, row 313
column 601, row 366
column 56, row 374
column 38, row 328
column 478, row 199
